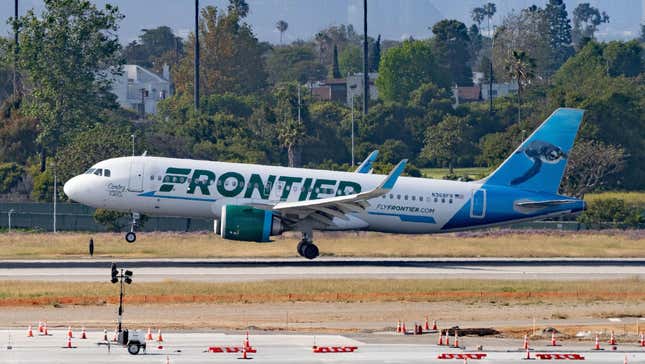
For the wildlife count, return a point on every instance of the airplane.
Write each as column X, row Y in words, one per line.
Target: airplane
column 250, row 202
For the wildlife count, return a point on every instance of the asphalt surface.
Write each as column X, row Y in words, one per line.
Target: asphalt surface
column 223, row 270
column 194, row 347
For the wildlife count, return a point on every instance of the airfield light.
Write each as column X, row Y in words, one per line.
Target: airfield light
column 120, row 276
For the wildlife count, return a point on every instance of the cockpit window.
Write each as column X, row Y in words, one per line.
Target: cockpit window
column 106, row 173
column 90, row 171
column 99, row 172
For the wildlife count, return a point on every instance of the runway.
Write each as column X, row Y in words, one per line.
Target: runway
column 232, row 270
column 193, row 347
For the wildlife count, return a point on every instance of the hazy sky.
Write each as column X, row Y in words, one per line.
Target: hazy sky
column 394, row 19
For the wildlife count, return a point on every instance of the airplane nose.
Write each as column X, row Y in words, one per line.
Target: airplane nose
column 71, row 188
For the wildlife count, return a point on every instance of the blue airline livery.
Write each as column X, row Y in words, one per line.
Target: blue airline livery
column 253, row 202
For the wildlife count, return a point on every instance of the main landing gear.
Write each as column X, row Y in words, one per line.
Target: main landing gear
column 131, row 236
column 306, row 247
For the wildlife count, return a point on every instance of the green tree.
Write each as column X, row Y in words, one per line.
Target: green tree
column 586, row 20
column 294, row 62
column 444, row 141
column 231, row 55
column 375, row 55
column 624, row 58
column 17, row 133
column 68, row 54
column 154, row 48
column 113, row 221
column 335, row 70
column 406, row 67
column 452, row 45
column 520, row 67
column 282, row 27
column 350, row 60
column 559, row 33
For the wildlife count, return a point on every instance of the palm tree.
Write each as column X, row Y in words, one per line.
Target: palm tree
column 520, row 67
column 290, row 133
column 282, row 27
column 322, row 39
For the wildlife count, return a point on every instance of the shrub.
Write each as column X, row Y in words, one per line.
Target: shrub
column 611, row 212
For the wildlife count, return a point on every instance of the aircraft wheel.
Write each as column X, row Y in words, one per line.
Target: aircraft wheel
column 130, row 237
column 310, row 251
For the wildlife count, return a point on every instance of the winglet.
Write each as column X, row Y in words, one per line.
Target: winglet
column 366, row 166
column 391, row 178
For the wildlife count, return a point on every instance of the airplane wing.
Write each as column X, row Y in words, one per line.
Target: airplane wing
column 366, row 166
column 325, row 209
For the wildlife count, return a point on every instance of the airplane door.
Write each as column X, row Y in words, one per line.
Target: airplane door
column 478, row 204
column 135, row 181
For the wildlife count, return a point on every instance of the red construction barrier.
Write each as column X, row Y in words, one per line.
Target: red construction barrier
column 334, row 349
column 555, row 356
column 462, row 356
column 230, row 349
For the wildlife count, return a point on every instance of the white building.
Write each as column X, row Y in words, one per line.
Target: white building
column 138, row 87
column 499, row 89
column 355, row 86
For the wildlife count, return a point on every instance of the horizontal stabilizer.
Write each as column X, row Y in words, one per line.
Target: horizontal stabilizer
column 542, row 204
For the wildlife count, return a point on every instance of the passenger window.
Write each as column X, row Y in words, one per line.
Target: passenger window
column 391, row 196
column 159, row 178
column 405, row 197
column 450, row 201
column 398, row 197
column 421, row 198
column 443, row 200
column 98, row 172
column 152, row 178
column 435, row 199
column 414, row 198
column 106, row 173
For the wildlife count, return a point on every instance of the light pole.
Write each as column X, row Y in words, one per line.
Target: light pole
column 196, row 60
column 55, row 193
column 9, row 215
column 352, row 98
column 122, row 277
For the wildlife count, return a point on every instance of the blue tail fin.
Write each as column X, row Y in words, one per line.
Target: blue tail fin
column 538, row 164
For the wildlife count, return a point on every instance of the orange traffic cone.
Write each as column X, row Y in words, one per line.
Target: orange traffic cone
column 625, row 360
column 404, row 331
column 447, row 338
column 440, row 342
column 426, row 326
column 434, row 325
column 45, row 330
column 642, row 341
column 528, row 355
column 553, row 342
column 456, row 339
column 40, row 327
column 244, row 351
column 612, row 339
column 105, row 338
column 69, row 332
column 149, row 335
column 30, row 332
column 116, row 335
column 83, row 333
column 398, row 327
column 159, row 337
column 597, row 346
column 69, row 342
column 526, row 342
column 247, row 343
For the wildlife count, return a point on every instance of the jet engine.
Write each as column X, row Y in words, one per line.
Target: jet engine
column 248, row 223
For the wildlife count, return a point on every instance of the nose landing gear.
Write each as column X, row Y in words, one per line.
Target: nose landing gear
column 131, row 236
column 306, row 247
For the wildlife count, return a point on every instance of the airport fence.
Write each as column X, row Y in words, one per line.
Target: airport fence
column 77, row 217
